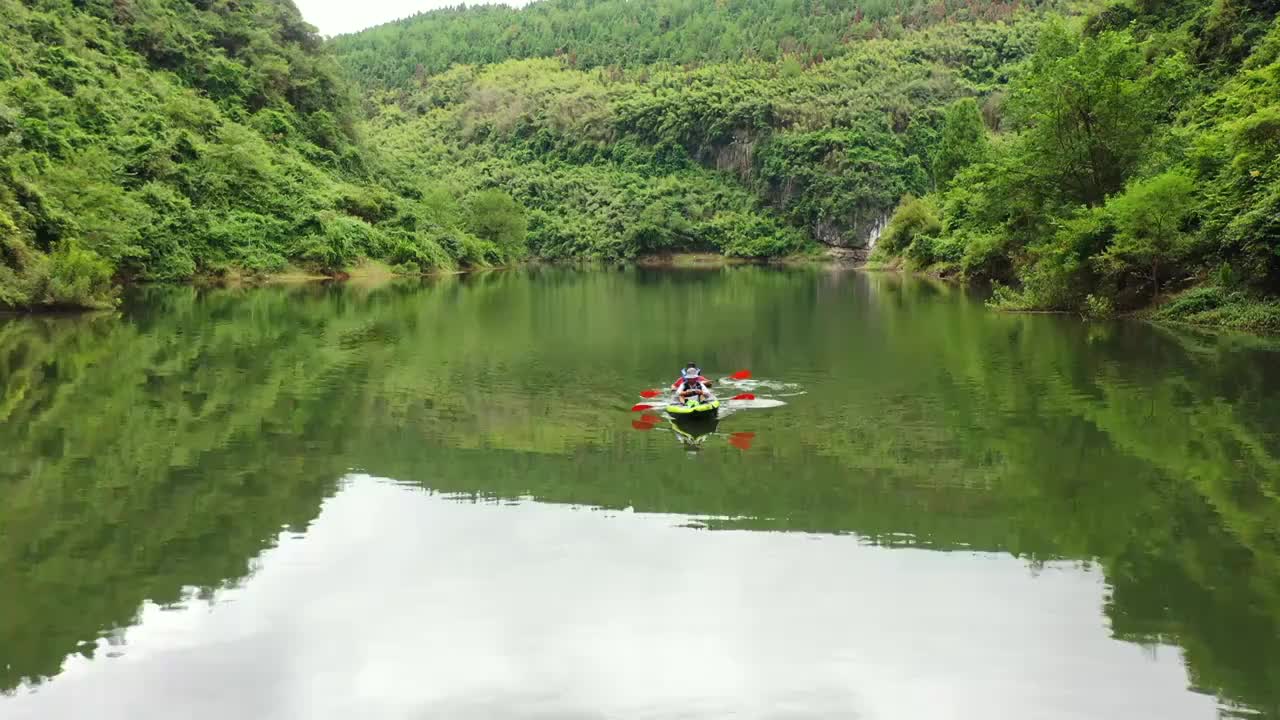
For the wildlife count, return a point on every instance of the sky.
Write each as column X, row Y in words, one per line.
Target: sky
column 335, row 17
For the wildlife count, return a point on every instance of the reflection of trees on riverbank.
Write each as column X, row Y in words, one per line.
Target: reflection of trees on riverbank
column 165, row 449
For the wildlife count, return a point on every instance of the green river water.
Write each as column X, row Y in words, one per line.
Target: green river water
column 429, row 500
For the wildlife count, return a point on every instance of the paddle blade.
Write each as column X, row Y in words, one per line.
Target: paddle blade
column 741, row 375
column 650, row 393
column 742, row 440
column 641, row 407
column 743, row 396
column 643, row 424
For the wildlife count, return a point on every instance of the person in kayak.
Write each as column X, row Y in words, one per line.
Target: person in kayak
column 690, row 372
column 692, row 383
column 694, row 388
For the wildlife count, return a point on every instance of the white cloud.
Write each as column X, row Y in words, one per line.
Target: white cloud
column 335, row 17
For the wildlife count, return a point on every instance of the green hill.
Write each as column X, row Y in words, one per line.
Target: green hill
column 165, row 139
column 616, row 160
column 1140, row 156
column 1085, row 158
column 602, row 33
column 1092, row 159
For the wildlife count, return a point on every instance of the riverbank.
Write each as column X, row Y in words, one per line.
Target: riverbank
column 1209, row 307
column 707, row 260
column 689, row 260
column 1216, row 307
column 1206, row 307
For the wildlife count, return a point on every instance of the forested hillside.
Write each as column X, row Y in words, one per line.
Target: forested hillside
column 747, row 158
column 1140, row 156
column 594, row 33
column 1086, row 158
column 1094, row 159
column 164, row 139
column 616, row 157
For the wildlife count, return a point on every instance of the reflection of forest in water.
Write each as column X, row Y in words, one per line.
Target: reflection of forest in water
column 165, row 449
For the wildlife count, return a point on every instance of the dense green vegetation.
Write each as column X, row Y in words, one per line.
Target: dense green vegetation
column 603, row 33
column 544, row 134
column 1140, row 155
column 158, row 140
column 1095, row 163
column 747, row 158
column 222, row 415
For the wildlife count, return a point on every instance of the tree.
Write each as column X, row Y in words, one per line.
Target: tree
column 915, row 219
column 963, row 141
column 1085, row 111
column 498, row 218
column 1149, row 219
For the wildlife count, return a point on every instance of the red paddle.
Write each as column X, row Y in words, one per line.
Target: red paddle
column 642, row 407
column 741, row 375
column 650, row 393
column 742, row 440
column 743, row 396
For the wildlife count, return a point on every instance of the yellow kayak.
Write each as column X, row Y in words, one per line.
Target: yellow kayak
column 695, row 408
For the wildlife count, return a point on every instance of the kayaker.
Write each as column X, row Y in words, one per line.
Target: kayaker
column 693, row 387
column 692, row 383
column 690, row 372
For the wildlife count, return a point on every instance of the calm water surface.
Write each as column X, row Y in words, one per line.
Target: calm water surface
column 429, row 500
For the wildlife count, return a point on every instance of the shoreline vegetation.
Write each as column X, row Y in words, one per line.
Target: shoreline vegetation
column 1190, row 308
column 1206, row 307
column 1134, row 173
column 1106, row 159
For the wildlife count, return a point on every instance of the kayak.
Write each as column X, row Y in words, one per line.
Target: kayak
column 695, row 409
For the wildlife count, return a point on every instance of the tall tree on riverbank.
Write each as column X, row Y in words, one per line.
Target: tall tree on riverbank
column 1149, row 219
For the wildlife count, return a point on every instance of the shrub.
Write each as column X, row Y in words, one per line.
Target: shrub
column 168, row 241
column 914, row 217
column 468, row 249
column 1197, row 300
column 1224, row 308
column 984, row 256
column 741, row 235
column 1004, row 297
column 418, row 250
column 1099, row 307
column 922, row 250
column 77, row 278
column 340, row 241
column 495, row 216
